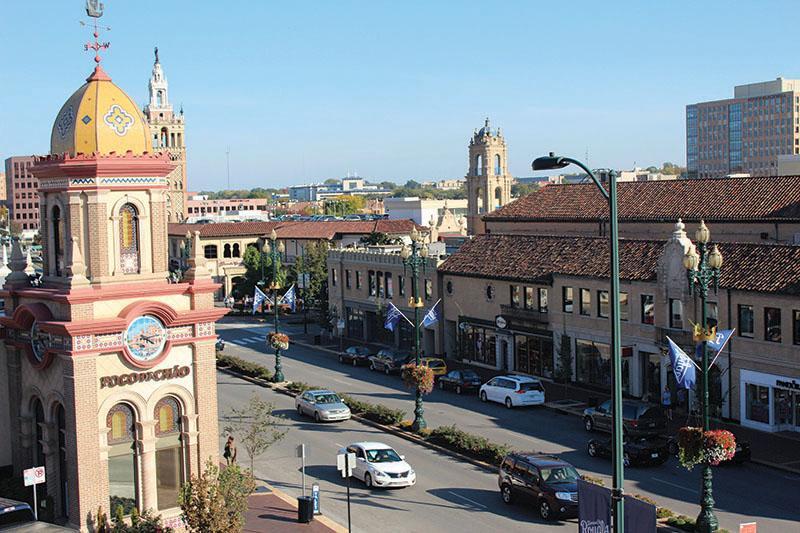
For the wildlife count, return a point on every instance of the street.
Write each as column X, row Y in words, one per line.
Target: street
column 467, row 494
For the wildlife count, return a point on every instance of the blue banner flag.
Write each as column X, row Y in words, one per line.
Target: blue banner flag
column 594, row 508
column 682, row 366
column 719, row 342
column 258, row 298
column 432, row 316
column 393, row 316
column 290, row 298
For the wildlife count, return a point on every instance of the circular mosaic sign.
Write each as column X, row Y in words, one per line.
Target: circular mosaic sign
column 145, row 338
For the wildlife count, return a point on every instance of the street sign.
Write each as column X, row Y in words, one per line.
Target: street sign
column 340, row 324
column 301, row 450
column 749, row 527
column 301, row 453
column 33, row 476
column 315, row 497
column 345, row 463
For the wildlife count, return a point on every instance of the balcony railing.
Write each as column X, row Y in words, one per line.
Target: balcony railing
column 529, row 315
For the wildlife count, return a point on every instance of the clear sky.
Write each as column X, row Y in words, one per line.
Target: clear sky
column 307, row 90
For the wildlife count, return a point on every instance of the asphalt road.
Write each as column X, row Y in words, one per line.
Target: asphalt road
column 742, row 493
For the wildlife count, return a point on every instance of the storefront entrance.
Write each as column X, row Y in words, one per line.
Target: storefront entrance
column 787, row 410
column 770, row 402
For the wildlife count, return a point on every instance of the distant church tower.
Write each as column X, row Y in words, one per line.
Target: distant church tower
column 488, row 180
column 167, row 135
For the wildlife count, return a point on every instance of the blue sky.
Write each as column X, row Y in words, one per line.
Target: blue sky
column 304, row 91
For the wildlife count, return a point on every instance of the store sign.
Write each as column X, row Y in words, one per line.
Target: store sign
column 500, row 322
column 793, row 384
column 140, row 377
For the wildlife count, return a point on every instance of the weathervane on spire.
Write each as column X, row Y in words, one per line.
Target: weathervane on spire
column 95, row 10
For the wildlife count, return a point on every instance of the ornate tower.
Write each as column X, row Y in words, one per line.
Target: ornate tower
column 110, row 367
column 167, row 134
column 488, row 180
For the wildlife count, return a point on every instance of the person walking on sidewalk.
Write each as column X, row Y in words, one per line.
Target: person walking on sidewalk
column 230, row 451
column 666, row 402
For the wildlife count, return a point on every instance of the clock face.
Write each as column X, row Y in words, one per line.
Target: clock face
column 38, row 342
column 145, row 338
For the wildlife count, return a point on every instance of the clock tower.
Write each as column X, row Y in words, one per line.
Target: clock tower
column 111, row 376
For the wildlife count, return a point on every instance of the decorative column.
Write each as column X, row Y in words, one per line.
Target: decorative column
column 146, row 444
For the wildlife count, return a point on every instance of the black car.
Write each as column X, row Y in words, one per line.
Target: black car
column 388, row 361
column 17, row 516
column 742, row 454
column 638, row 418
column 355, row 355
column 640, row 451
column 460, row 380
column 542, row 480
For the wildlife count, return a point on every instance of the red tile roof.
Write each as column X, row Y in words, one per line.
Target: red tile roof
column 535, row 259
column 733, row 199
column 297, row 229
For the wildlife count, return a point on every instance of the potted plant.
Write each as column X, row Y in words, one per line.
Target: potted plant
column 696, row 446
column 719, row 445
column 420, row 377
column 278, row 341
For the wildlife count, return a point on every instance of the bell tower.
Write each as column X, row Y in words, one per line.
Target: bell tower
column 167, row 135
column 488, row 179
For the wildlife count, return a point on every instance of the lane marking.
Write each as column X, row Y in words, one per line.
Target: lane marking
column 473, row 502
column 665, row 482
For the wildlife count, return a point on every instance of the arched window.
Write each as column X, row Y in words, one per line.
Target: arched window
column 236, row 251
column 123, row 487
column 129, row 239
column 479, row 200
column 159, row 98
column 61, row 420
column 479, row 165
column 58, row 239
column 169, row 452
column 38, row 421
column 164, row 137
column 210, row 251
column 226, row 251
column 498, row 197
column 498, row 168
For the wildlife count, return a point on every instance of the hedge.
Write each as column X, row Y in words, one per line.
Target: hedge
column 473, row 445
column 371, row 411
column 299, row 387
column 253, row 370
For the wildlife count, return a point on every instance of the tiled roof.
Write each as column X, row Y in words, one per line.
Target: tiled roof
column 298, row 229
column 733, row 199
column 535, row 259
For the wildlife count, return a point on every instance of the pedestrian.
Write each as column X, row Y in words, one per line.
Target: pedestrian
column 230, row 451
column 666, row 402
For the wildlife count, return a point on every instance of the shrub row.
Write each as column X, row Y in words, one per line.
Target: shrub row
column 253, row 370
column 685, row 523
column 299, row 387
column 473, row 445
column 374, row 412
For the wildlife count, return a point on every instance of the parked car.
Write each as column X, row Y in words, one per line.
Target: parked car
column 460, row 381
column 388, row 361
column 742, row 455
column 379, row 465
column 638, row 451
column 437, row 365
column 355, row 355
column 18, row 517
column 513, row 391
column 543, row 480
column 323, row 405
column 639, row 418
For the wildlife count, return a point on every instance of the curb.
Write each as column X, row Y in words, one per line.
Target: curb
column 324, row 520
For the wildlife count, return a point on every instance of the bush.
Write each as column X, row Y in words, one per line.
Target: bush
column 473, row 445
column 246, row 368
column 681, row 522
column 661, row 512
column 592, row 479
column 376, row 413
column 299, row 387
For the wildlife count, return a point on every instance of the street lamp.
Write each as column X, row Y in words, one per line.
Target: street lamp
column 551, row 162
column 274, row 250
column 415, row 257
column 702, row 271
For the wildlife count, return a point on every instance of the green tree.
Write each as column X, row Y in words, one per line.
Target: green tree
column 331, row 181
column 255, row 426
column 314, row 262
column 253, row 261
column 348, row 203
column 518, row 190
column 15, row 228
column 389, row 185
column 216, row 501
column 377, row 238
column 411, row 184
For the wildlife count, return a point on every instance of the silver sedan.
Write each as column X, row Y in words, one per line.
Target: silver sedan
column 323, row 405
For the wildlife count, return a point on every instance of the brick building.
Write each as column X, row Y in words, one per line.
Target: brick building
column 22, row 199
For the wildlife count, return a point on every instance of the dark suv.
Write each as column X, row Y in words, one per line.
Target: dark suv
column 388, row 361
column 638, row 418
column 546, row 481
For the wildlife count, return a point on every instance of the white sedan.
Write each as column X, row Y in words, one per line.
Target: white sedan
column 378, row 465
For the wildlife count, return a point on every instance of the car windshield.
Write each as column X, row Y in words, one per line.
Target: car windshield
column 383, row 456
column 327, row 398
column 631, row 412
column 559, row 473
column 469, row 374
column 435, row 364
column 531, row 386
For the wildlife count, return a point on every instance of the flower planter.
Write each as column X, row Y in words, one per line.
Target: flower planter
column 696, row 446
column 278, row 341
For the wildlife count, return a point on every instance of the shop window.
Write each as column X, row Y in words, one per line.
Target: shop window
column 530, row 300
column 796, row 329
column 169, row 452
column 757, row 403
column 122, row 478
column 478, row 344
column 428, row 289
column 675, row 313
column 516, row 295
column 210, row 251
column 129, row 239
column 623, row 306
column 380, row 280
column 389, row 285
column 355, row 323
column 602, row 304
column 534, row 355
column 586, row 302
column 347, row 278
column 358, row 279
column 542, row 297
column 772, row 324
column 566, row 299
column 373, row 289
column 593, row 365
column 746, row 327
column 401, row 285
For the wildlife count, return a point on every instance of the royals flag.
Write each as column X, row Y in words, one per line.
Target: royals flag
column 432, row 316
column 258, row 298
column 393, row 316
column 290, row 298
column 719, row 342
column 682, row 366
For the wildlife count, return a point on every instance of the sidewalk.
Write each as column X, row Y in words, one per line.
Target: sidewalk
column 270, row 510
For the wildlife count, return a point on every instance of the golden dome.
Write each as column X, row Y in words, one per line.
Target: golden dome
column 99, row 117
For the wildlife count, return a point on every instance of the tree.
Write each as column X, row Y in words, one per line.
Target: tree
column 253, row 261
column 255, row 426
column 15, row 228
column 314, row 262
column 331, row 181
column 411, row 184
column 389, row 185
column 376, row 238
column 518, row 190
column 349, row 203
column 216, row 501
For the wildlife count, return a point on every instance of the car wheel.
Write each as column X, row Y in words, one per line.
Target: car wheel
column 386, row 370
column 299, row 410
column 505, row 493
column 544, row 510
column 509, row 403
column 483, row 395
column 355, row 363
column 316, row 417
column 368, row 480
column 458, row 389
column 588, row 423
column 372, row 366
column 592, row 449
column 626, row 460
column 441, row 385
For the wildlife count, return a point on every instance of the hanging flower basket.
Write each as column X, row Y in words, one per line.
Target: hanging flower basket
column 418, row 377
column 698, row 447
column 278, row 341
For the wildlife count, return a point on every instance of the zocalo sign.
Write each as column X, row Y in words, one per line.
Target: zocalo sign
column 140, row 377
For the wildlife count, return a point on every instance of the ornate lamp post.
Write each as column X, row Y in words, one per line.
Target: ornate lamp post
column 702, row 271
column 274, row 249
column 415, row 258
column 551, row 162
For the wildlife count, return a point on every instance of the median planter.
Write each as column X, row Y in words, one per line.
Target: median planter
column 376, row 413
column 246, row 368
column 472, row 445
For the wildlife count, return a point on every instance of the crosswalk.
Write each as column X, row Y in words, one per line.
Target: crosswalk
column 247, row 341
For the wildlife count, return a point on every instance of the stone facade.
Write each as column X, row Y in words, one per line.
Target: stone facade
column 488, row 179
